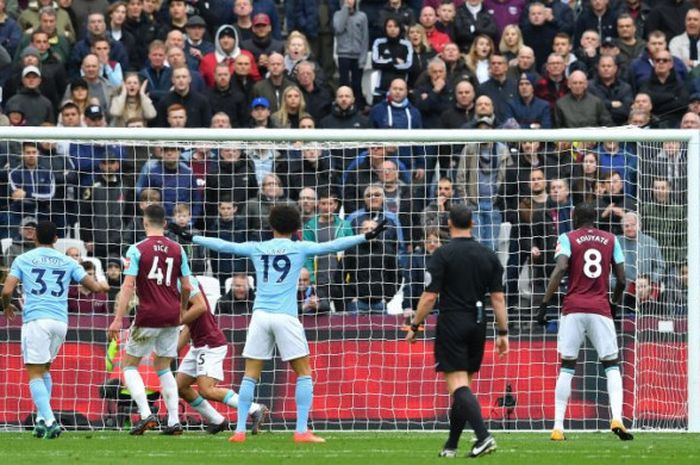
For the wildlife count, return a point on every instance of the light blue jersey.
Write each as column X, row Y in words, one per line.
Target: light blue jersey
column 45, row 274
column 278, row 263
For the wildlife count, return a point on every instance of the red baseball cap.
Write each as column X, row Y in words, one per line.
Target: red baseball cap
column 261, row 18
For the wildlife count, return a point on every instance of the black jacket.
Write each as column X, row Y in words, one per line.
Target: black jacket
column 467, row 27
column 231, row 102
column 198, row 109
column 343, row 119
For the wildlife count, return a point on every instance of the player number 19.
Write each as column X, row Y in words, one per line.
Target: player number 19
column 157, row 272
column 592, row 263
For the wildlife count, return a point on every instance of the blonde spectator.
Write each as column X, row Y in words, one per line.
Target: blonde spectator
column 478, row 57
column 511, row 42
column 292, row 108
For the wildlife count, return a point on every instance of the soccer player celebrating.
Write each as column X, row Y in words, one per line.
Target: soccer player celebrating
column 278, row 263
column 461, row 273
column 204, row 364
column 153, row 268
column 587, row 254
column 45, row 274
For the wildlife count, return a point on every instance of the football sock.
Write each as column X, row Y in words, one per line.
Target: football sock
column 458, row 419
column 304, row 397
column 209, row 413
column 231, row 399
column 245, row 398
column 561, row 396
column 137, row 390
column 615, row 391
column 48, row 382
column 40, row 396
column 168, row 387
column 472, row 411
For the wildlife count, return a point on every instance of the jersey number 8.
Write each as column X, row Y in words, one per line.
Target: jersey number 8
column 592, row 263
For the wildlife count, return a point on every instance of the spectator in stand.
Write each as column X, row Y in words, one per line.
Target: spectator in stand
column 24, row 242
column 462, row 111
column 96, row 27
column 257, row 210
column 10, row 31
column 227, row 48
column 457, row 69
column 158, row 76
column 374, row 207
column 113, row 273
column 228, row 225
column 37, row 109
column 434, row 217
column 58, row 44
column 53, row 73
column 196, row 42
column 176, row 116
column 629, row 39
column 307, row 295
column 525, row 63
column 415, row 275
column 639, row 11
column 599, row 17
column 311, row 170
column 616, row 157
column 177, row 39
column 352, row 41
column 694, row 103
column 422, row 52
column 392, row 56
column 529, row 111
column 180, row 229
column 198, row 109
column 483, row 108
column 273, row 86
column 480, row 173
column 291, row 109
column 344, row 112
column 478, row 57
column 665, row 221
column 239, row 299
column 640, row 119
column 32, row 186
column 260, row 114
column 562, row 46
column 243, row 11
column 231, row 175
column 538, row 32
column 473, row 19
column 676, row 293
column 83, row 301
column 132, row 101
column 668, row 17
column 580, row 108
column 642, row 102
column 670, row 163
column 314, row 19
column 588, row 51
column 643, row 67
column 397, row 112
column 499, row 88
column 668, row 94
column 616, row 94
column 297, row 50
column 614, row 203
column 134, row 231
column 559, row 13
column 317, row 96
column 428, row 20
column 175, row 181
column 99, row 87
column 224, row 98
column 397, row 9
column 307, row 203
column 139, row 23
column 584, row 187
column 262, row 44
column 29, row 19
column 511, row 42
column 176, row 58
column 553, row 85
column 241, row 79
column 116, row 16
column 433, row 97
column 264, row 160
column 398, row 199
column 505, row 12
column 446, row 12
column 642, row 253
column 691, row 120
column 175, row 19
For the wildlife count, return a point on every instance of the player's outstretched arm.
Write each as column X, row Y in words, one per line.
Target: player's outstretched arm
column 336, row 245
column 244, row 249
column 94, row 285
column 7, row 290
column 125, row 295
column 560, row 270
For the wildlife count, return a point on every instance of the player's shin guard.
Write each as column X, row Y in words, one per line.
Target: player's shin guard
column 458, row 419
column 561, row 396
column 40, row 396
column 612, row 373
column 137, row 390
column 168, row 387
column 209, row 413
column 245, row 398
column 472, row 411
column 304, row 398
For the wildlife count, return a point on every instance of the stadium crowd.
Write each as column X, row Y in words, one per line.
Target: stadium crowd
column 349, row 65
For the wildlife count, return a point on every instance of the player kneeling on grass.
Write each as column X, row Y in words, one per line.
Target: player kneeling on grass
column 275, row 322
column 587, row 254
column 203, row 364
column 45, row 274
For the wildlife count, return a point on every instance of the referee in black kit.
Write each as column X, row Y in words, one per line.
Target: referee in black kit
column 462, row 272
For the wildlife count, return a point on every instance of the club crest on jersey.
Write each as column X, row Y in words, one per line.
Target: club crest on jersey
column 127, row 262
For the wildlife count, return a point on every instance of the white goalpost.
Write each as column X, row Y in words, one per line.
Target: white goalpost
column 354, row 309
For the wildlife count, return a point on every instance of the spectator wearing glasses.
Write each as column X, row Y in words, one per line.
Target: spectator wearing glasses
column 669, row 96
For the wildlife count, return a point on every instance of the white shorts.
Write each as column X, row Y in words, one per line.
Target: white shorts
column 204, row 361
column 573, row 329
column 41, row 340
column 269, row 329
column 162, row 341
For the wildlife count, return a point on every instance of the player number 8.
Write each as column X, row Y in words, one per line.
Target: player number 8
column 591, row 266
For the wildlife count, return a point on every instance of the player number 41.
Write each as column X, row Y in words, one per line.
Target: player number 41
column 156, row 272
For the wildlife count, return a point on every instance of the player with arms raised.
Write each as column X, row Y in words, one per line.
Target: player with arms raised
column 45, row 274
column 204, row 364
column 278, row 263
column 153, row 268
column 587, row 254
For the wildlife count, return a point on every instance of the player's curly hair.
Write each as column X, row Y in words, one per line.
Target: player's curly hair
column 285, row 219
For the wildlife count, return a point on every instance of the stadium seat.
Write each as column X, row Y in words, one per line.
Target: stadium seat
column 6, row 243
column 65, row 243
column 212, row 289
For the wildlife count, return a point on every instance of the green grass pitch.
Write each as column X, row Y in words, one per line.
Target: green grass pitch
column 343, row 448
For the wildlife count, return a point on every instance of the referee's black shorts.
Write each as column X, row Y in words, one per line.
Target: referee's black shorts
column 459, row 342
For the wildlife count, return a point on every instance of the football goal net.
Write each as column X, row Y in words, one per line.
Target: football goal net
column 521, row 186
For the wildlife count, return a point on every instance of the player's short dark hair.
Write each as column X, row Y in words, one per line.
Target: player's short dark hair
column 45, row 233
column 285, row 219
column 155, row 213
column 461, row 216
column 584, row 214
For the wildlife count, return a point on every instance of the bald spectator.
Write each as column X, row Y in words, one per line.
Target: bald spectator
column 273, row 86
column 98, row 86
column 241, row 79
column 316, row 94
column 580, row 108
column 669, row 96
column 553, row 85
column 642, row 68
column 616, row 94
column 198, row 109
column 428, row 19
column 589, row 49
column 344, row 113
column 690, row 120
column 37, row 109
column 685, row 46
column 525, row 63
column 176, row 57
